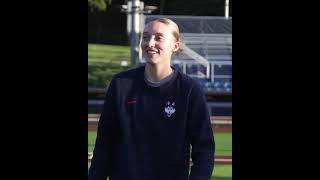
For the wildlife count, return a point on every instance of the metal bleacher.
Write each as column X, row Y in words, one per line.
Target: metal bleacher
column 210, row 39
column 210, row 45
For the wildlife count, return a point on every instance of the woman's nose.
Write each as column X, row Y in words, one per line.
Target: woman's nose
column 151, row 42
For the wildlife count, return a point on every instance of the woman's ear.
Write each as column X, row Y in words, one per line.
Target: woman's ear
column 176, row 46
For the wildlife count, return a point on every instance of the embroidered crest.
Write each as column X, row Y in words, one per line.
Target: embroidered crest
column 169, row 108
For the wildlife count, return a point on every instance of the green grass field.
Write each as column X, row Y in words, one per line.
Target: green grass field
column 108, row 53
column 223, row 147
column 220, row 172
column 223, row 143
column 104, row 61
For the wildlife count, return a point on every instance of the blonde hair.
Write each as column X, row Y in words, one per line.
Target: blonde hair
column 175, row 30
column 174, row 27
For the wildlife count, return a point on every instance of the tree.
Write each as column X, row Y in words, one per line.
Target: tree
column 100, row 5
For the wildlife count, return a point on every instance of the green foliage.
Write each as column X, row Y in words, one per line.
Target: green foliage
column 100, row 5
column 100, row 73
column 193, row 8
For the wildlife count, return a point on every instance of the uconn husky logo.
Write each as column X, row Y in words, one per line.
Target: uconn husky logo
column 169, row 108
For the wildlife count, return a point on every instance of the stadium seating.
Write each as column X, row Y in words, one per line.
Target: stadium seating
column 208, row 51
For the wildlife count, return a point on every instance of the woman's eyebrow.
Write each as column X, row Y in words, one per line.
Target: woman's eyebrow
column 158, row 34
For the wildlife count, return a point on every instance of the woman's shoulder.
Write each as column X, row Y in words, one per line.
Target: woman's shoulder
column 188, row 81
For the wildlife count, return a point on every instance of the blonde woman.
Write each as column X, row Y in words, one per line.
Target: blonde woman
column 152, row 115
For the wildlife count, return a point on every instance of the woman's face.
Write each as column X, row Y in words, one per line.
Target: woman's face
column 158, row 43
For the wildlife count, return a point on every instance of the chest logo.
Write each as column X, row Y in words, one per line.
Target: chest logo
column 169, row 108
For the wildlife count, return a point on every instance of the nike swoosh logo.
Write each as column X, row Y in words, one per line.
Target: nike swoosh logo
column 132, row 102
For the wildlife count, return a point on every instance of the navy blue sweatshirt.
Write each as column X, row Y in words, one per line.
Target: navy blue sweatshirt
column 145, row 132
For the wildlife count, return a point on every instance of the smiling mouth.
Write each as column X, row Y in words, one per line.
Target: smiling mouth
column 151, row 52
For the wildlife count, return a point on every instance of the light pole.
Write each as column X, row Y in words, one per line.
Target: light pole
column 134, row 10
column 226, row 11
column 134, row 35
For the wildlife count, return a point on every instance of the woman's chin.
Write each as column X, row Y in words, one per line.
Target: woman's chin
column 151, row 60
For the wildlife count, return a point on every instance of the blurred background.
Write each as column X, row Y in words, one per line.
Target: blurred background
column 114, row 28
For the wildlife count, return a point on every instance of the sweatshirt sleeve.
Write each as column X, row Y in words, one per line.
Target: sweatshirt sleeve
column 102, row 153
column 201, row 136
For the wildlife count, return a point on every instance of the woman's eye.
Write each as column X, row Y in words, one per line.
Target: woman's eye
column 159, row 38
column 145, row 37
